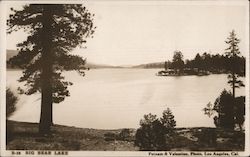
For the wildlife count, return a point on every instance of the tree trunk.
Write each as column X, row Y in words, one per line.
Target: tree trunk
column 46, row 73
column 234, row 79
column 234, row 104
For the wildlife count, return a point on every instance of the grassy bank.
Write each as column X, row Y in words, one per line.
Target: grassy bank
column 25, row 136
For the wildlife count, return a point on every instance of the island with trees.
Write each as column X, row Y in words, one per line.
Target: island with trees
column 201, row 65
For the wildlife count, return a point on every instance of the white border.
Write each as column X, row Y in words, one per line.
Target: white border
column 2, row 75
column 247, row 116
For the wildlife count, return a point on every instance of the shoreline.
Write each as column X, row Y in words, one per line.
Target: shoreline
column 24, row 136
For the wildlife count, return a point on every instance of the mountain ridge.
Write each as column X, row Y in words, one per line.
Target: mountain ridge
column 12, row 53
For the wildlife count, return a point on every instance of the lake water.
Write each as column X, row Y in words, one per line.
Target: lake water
column 118, row 98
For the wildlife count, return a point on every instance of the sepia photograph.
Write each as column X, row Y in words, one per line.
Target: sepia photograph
column 125, row 78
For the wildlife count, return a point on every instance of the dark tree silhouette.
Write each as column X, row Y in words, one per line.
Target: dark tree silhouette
column 216, row 63
column 240, row 111
column 154, row 133
column 224, row 106
column 151, row 136
column 11, row 101
column 198, row 61
column 233, row 52
column 230, row 110
column 54, row 30
column 167, row 119
column 177, row 62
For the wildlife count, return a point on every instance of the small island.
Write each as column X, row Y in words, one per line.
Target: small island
column 201, row 65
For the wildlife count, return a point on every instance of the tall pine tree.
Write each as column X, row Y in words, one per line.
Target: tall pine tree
column 54, row 30
column 233, row 53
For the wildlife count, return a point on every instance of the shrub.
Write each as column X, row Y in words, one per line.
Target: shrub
column 230, row 110
column 207, row 136
column 151, row 136
column 224, row 106
column 154, row 133
column 110, row 136
column 125, row 135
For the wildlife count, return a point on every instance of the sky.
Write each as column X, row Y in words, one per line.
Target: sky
column 137, row 32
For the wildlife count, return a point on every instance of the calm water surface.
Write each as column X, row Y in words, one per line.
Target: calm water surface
column 118, row 98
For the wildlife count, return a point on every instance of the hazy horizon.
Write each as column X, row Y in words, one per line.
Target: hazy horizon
column 139, row 32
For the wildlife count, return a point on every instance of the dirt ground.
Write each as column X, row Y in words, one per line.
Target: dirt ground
column 24, row 136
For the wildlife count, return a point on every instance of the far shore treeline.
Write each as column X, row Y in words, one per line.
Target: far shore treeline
column 214, row 63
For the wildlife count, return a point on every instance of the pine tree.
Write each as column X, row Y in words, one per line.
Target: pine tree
column 198, row 61
column 168, row 119
column 233, row 52
column 177, row 62
column 151, row 134
column 156, row 133
column 224, row 106
column 54, row 30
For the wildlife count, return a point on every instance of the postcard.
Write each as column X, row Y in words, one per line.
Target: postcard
column 124, row 78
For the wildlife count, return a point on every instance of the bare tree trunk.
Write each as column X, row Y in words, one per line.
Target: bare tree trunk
column 46, row 73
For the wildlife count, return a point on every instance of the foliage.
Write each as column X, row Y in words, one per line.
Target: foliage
column 224, row 106
column 230, row 111
column 167, row 119
column 240, row 111
column 110, row 136
column 177, row 62
column 207, row 136
column 215, row 63
column 70, row 25
column 151, row 137
column 198, row 61
column 54, row 30
column 232, row 52
column 154, row 133
column 125, row 135
column 209, row 110
column 148, row 119
column 11, row 100
column 71, row 138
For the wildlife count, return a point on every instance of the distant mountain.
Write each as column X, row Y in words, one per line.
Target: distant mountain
column 99, row 66
column 150, row 65
column 11, row 53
